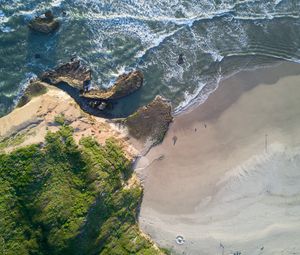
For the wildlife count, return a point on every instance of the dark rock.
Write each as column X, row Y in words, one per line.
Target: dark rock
column 180, row 60
column 79, row 76
column 93, row 104
column 45, row 24
column 87, row 85
column 124, row 85
column 49, row 15
column 73, row 73
column 37, row 55
column 150, row 123
column 102, row 106
column 35, row 88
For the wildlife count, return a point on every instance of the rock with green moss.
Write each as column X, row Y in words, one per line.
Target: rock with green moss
column 44, row 24
column 35, row 88
column 150, row 122
column 125, row 85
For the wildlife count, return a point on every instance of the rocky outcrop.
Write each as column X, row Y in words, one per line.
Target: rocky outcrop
column 35, row 88
column 44, row 24
column 150, row 123
column 78, row 76
column 73, row 73
column 75, row 78
column 124, row 85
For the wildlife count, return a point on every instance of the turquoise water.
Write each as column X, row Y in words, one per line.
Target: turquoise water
column 216, row 37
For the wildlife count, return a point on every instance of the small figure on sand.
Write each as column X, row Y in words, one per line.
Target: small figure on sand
column 180, row 60
column 237, row 253
column 223, row 248
column 195, row 129
column 174, row 139
column 205, row 125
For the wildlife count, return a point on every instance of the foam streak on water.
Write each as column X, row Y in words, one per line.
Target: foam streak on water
column 216, row 37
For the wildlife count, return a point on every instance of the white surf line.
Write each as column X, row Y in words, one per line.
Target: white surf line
column 191, row 20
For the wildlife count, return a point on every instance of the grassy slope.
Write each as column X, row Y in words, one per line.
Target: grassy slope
column 65, row 199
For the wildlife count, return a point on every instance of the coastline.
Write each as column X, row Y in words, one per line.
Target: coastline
column 216, row 145
column 184, row 178
column 198, row 100
column 30, row 123
column 150, row 128
column 66, row 159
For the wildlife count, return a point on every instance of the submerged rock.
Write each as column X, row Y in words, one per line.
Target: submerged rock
column 73, row 73
column 150, row 123
column 102, row 106
column 180, row 60
column 124, row 85
column 44, row 24
column 99, row 105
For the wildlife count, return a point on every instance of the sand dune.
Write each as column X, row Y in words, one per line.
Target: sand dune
column 233, row 175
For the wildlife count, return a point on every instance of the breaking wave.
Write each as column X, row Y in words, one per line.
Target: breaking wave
column 216, row 39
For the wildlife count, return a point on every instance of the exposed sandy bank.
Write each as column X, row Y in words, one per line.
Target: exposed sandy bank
column 224, row 180
column 31, row 122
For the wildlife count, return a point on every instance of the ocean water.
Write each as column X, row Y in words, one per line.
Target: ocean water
column 216, row 38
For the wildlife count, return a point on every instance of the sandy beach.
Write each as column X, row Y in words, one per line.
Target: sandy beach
column 227, row 176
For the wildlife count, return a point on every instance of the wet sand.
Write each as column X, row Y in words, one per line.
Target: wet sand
column 233, row 174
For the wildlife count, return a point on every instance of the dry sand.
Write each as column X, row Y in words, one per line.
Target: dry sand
column 233, row 175
column 34, row 119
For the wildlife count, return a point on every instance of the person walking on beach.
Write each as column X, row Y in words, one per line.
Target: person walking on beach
column 174, row 139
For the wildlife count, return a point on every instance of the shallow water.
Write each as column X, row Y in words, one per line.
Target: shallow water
column 216, row 38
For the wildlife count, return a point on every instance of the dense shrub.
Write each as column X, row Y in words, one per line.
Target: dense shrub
column 59, row 198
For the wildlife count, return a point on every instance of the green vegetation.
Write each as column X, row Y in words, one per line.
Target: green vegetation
column 60, row 119
column 60, row 198
column 14, row 140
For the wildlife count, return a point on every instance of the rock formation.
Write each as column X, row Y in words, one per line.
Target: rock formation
column 78, row 76
column 75, row 78
column 44, row 24
column 150, row 123
column 180, row 60
column 124, row 85
column 73, row 73
column 35, row 88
